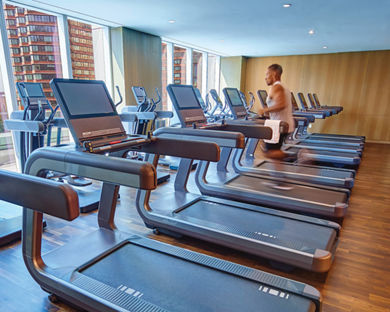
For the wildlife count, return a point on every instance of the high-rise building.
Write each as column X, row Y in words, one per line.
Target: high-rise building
column 81, row 48
column 35, row 49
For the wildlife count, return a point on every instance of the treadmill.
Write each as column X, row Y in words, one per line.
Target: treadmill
column 316, row 103
column 250, row 188
column 306, row 108
column 356, row 142
column 318, row 152
column 331, row 144
column 360, row 139
column 313, row 105
column 120, row 271
column 260, row 231
column 292, row 171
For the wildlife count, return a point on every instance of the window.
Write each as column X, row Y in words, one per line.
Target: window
column 38, row 54
column 164, row 75
column 212, row 72
column 9, row 13
column 42, row 48
column 204, row 68
column 11, row 22
column 88, row 50
column 43, row 58
column 22, row 30
column 15, row 50
column 41, row 28
column 16, row 60
column 14, row 41
column 33, row 39
column 21, row 20
column 41, row 18
column 197, row 70
column 7, row 155
column 179, row 70
column 12, row 32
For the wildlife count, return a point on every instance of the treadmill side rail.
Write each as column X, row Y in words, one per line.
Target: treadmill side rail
column 98, row 167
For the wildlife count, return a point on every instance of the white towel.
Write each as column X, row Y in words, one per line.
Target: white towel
column 275, row 126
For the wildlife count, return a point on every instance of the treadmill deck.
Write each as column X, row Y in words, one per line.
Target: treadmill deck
column 162, row 279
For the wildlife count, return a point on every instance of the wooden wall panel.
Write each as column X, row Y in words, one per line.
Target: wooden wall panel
column 359, row 81
column 136, row 61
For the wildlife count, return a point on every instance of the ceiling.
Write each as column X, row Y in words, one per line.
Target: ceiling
column 246, row 27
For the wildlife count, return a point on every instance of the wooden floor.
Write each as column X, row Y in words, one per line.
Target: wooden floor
column 359, row 279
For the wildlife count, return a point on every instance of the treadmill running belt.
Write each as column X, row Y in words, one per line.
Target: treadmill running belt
column 308, row 194
column 325, row 145
column 295, row 150
column 177, row 285
column 336, row 141
column 291, row 168
column 267, row 227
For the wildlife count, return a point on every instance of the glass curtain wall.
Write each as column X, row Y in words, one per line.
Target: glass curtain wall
column 179, row 65
column 164, row 75
column 197, row 69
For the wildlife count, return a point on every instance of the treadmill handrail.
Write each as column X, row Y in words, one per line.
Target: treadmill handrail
column 186, row 148
column 43, row 195
column 222, row 138
column 24, row 125
column 250, row 131
column 108, row 169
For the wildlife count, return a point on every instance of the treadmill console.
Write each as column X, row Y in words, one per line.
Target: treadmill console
column 187, row 105
column 139, row 94
column 32, row 92
column 233, row 98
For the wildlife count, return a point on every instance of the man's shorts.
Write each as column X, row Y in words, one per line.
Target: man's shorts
column 276, row 146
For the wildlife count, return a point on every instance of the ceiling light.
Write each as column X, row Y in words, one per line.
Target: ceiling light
column 311, row 32
column 287, row 5
column 171, row 21
column 324, row 47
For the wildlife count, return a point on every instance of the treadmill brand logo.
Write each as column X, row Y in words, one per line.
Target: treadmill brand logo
column 130, row 291
column 265, row 235
column 274, row 292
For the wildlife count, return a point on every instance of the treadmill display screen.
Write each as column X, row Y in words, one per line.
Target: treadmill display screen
column 199, row 96
column 185, row 97
column 294, row 102
column 85, row 98
column 34, row 90
column 263, row 95
column 234, row 96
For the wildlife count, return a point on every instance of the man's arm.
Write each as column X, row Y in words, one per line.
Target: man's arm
column 277, row 94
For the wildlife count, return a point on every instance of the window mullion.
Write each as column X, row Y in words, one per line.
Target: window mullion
column 63, row 38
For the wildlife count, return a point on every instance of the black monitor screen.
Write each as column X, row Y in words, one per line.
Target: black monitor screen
column 234, row 96
column 31, row 89
column 199, row 96
column 85, row 98
column 263, row 95
column 293, row 101
column 185, row 97
column 139, row 91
